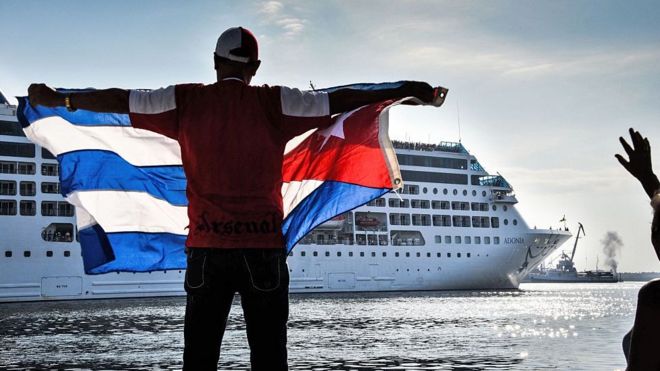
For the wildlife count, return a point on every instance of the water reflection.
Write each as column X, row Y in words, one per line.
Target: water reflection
column 557, row 326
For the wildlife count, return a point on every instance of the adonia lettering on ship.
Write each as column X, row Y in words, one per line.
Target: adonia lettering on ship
column 452, row 227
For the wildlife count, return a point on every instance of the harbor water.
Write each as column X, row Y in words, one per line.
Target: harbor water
column 539, row 327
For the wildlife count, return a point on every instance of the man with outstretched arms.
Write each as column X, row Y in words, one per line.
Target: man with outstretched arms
column 232, row 137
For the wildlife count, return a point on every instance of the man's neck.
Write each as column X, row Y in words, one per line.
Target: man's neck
column 232, row 76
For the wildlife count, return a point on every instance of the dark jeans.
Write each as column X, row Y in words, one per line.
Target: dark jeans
column 261, row 278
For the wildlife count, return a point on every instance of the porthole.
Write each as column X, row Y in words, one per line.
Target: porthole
column 67, row 253
column 350, row 253
column 515, row 221
column 465, row 192
column 506, row 221
column 458, row 255
column 7, row 254
column 505, row 208
column 483, row 193
column 425, row 190
column 26, row 254
column 435, row 191
column 494, row 207
column 474, row 193
column 338, row 253
column 302, row 253
column 327, row 253
column 455, row 192
column 49, row 253
column 444, row 191
column 315, row 253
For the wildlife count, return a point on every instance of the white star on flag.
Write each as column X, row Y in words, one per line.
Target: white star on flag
column 336, row 129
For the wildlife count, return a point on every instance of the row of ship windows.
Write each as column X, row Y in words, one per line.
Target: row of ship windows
column 67, row 253
column 411, row 189
column 467, row 240
column 26, row 150
column 438, row 205
column 29, row 208
column 28, row 168
column 28, row 253
column 398, row 238
column 27, row 188
column 383, row 254
column 465, row 221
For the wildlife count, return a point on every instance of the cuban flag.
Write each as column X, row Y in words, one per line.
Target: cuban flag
column 128, row 185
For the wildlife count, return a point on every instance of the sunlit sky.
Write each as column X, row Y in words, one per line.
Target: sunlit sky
column 543, row 89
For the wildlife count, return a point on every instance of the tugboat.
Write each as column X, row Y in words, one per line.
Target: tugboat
column 565, row 270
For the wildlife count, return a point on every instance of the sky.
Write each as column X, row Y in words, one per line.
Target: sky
column 539, row 91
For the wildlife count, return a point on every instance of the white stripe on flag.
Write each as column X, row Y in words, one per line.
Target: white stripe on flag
column 119, row 211
column 137, row 146
column 295, row 192
column 83, row 218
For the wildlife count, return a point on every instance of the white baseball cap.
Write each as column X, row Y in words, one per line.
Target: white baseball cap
column 238, row 44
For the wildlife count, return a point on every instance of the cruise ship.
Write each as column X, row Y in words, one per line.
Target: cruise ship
column 453, row 226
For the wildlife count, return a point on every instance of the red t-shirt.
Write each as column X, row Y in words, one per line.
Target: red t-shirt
column 232, row 139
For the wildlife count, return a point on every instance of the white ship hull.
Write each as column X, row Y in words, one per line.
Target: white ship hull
column 400, row 243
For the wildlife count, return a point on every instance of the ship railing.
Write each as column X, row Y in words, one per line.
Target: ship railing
column 496, row 181
column 501, row 190
column 455, row 147
column 504, row 197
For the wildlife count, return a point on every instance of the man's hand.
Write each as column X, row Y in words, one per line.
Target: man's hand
column 639, row 163
column 40, row 94
column 424, row 92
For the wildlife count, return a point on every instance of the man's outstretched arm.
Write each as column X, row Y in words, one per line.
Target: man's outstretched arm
column 344, row 100
column 109, row 100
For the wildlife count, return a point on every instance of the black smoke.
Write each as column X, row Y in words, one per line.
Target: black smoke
column 611, row 245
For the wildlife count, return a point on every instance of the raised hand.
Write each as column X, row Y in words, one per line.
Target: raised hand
column 639, row 161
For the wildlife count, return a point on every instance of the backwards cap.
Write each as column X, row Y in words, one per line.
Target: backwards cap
column 237, row 44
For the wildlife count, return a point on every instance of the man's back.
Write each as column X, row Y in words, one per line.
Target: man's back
column 232, row 139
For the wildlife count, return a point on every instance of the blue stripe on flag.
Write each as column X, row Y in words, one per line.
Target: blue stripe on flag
column 325, row 202
column 103, row 170
column 27, row 115
column 95, row 247
column 130, row 251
